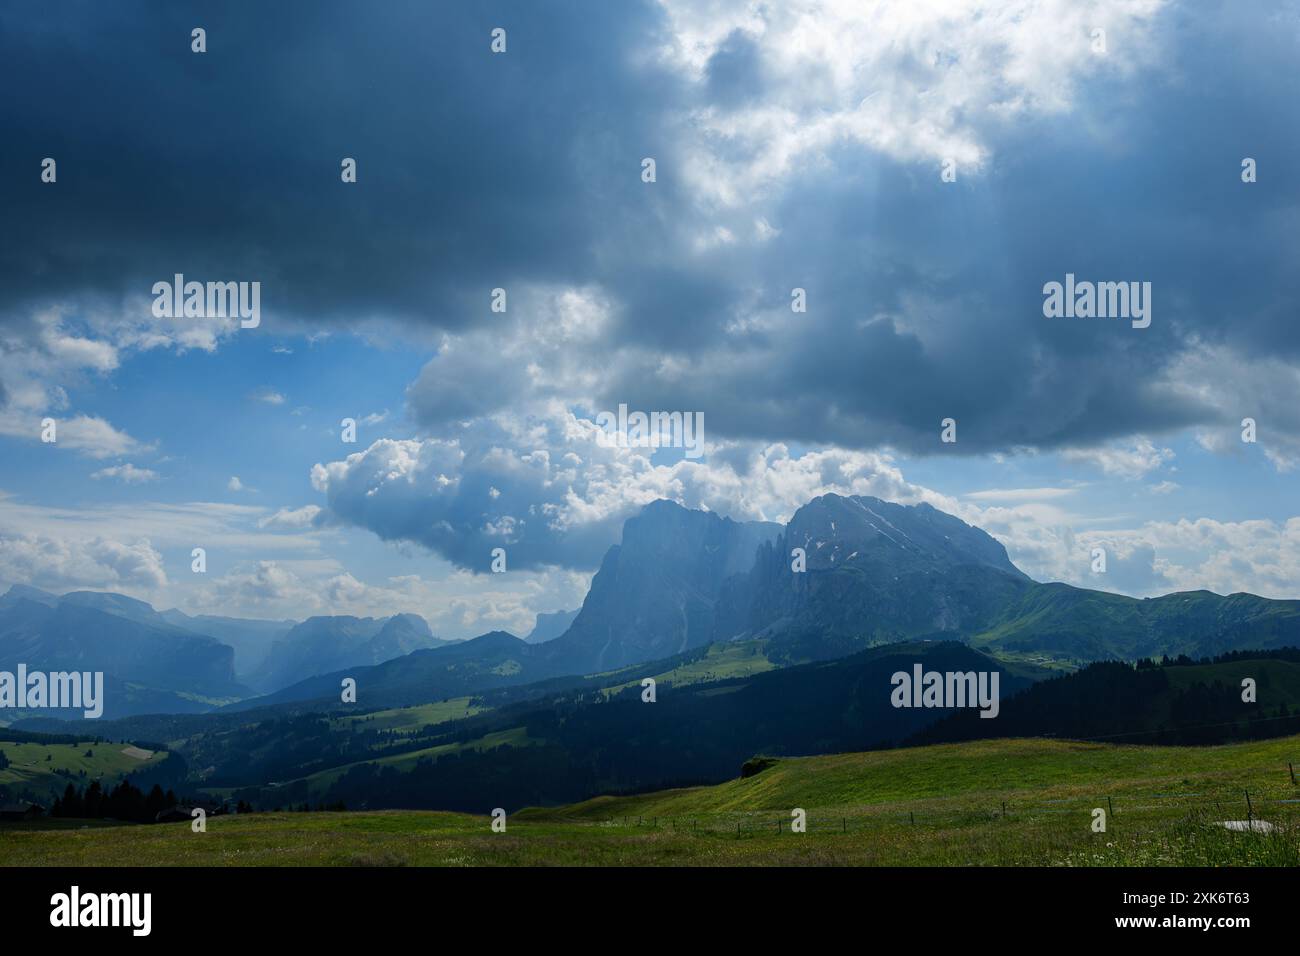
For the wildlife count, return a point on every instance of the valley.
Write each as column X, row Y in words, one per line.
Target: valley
column 749, row 658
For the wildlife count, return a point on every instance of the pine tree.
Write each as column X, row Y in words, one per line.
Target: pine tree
column 155, row 803
column 94, row 800
column 72, row 805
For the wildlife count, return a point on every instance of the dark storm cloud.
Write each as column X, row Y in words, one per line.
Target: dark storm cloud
column 925, row 299
column 473, row 168
column 476, row 170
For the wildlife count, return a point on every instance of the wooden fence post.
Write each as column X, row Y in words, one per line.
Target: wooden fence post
column 1250, row 812
column 1111, row 806
column 1292, row 769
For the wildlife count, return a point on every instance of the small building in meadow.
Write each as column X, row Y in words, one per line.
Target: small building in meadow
column 22, row 810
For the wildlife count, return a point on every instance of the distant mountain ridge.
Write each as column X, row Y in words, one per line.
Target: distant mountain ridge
column 320, row 645
column 495, row 659
column 879, row 572
column 876, row 573
column 148, row 664
column 872, row 572
column 170, row 662
column 1077, row 624
column 251, row 638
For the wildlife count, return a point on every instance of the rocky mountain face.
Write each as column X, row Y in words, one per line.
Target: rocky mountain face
column 872, row 572
column 550, row 626
column 875, row 572
column 656, row 592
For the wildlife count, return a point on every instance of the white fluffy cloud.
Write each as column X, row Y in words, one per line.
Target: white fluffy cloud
column 544, row 489
column 919, row 80
column 1156, row 557
column 68, row 563
column 1135, row 458
column 542, row 486
column 1262, row 557
column 48, row 352
column 86, row 434
column 262, row 587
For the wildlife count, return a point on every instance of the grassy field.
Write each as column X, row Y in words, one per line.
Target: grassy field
column 407, row 720
column 44, row 768
column 319, row 783
column 932, row 806
column 722, row 661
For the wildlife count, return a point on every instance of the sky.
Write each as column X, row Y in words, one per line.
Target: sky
column 921, row 170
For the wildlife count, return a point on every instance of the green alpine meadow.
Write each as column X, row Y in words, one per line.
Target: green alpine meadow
column 988, row 803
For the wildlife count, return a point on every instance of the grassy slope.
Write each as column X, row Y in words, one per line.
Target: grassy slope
column 926, row 806
column 721, row 662
column 982, row 772
column 1075, row 624
column 319, row 783
column 28, row 768
column 408, row 719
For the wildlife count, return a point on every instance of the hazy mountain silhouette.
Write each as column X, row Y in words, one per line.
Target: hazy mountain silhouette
column 321, row 645
column 550, row 626
column 656, row 592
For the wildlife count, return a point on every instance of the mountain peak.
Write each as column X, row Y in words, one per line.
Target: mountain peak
column 25, row 592
column 412, row 623
column 835, row 529
column 113, row 603
column 655, row 592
